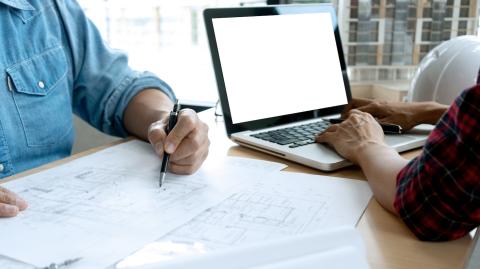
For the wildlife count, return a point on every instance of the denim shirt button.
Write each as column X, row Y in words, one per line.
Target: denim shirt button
column 2, row 168
column 41, row 84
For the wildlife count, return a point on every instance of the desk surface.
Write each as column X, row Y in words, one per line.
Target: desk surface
column 390, row 245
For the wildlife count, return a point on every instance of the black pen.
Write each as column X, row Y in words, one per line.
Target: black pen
column 172, row 120
column 386, row 127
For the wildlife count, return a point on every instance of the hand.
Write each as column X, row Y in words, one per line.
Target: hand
column 350, row 137
column 403, row 114
column 10, row 203
column 187, row 143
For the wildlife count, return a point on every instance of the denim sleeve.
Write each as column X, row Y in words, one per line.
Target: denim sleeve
column 103, row 83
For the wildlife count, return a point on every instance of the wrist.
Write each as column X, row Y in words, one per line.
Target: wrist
column 147, row 107
column 371, row 149
column 158, row 115
column 428, row 112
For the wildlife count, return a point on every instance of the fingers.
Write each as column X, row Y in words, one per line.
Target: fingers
column 157, row 135
column 10, row 203
column 357, row 117
column 355, row 103
column 188, row 165
column 191, row 153
column 327, row 135
column 187, row 121
column 8, row 211
column 375, row 108
column 195, row 142
column 187, row 143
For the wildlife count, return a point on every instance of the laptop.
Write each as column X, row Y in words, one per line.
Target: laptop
column 280, row 72
column 472, row 260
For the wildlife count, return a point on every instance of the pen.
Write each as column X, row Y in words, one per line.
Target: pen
column 386, row 127
column 172, row 120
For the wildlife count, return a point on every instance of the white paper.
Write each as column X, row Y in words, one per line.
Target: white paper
column 104, row 206
column 279, row 205
column 325, row 249
column 7, row 263
column 338, row 258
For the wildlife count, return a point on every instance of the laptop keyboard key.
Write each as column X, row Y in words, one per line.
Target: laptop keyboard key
column 297, row 136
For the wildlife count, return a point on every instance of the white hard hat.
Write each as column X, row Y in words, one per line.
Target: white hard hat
column 446, row 71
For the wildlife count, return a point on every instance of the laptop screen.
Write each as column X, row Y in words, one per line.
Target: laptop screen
column 279, row 64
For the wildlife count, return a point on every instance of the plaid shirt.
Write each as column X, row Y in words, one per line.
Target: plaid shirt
column 438, row 193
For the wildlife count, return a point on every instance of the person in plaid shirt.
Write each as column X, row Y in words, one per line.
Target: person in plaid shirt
column 437, row 194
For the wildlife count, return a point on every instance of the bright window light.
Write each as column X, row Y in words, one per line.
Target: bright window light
column 165, row 37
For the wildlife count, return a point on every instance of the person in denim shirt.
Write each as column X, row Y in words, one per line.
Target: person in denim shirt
column 54, row 63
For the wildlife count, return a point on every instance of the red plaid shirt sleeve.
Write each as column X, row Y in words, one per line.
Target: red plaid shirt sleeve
column 438, row 193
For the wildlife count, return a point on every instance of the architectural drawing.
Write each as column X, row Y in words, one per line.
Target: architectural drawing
column 85, row 207
column 252, row 216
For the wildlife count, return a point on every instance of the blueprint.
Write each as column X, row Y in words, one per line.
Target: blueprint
column 90, row 207
column 279, row 205
column 272, row 209
column 253, row 216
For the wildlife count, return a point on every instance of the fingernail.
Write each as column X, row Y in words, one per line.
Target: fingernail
column 20, row 203
column 11, row 210
column 169, row 148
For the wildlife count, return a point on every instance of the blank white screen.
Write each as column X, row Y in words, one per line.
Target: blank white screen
column 279, row 65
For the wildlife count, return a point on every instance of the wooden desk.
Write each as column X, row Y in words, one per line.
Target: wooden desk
column 390, row 245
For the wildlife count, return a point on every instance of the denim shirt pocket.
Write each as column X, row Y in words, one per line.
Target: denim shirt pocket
column 42, row 97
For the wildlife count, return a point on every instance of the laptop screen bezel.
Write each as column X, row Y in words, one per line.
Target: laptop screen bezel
column 213, row 13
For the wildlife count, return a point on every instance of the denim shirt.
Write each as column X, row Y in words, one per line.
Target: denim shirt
column 53, row 63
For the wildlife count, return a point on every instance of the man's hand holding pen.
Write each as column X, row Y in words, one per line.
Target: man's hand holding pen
column 187, row 143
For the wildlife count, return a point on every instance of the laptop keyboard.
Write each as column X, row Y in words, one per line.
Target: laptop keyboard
column 296, row 136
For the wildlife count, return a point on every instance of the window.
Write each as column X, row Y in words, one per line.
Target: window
column 354, row 12
column 352, row 37
column 351, row 59
column 426, row 25
column 412, row 12
column 449, row 12
column 165, row 37
column 464, row 12
column 353, row 26
column 390, row 12
column 426, row 35
column 412, row 25
column 385, row 74
column 375, row 12
column 427, row 12
column 387, row 59
column 446, row 35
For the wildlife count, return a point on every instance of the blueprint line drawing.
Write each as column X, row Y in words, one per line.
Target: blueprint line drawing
column 250, row 216
column 90, row 206
column 92, row 195
column 275, row 206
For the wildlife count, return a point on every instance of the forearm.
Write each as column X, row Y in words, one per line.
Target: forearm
column 147, row 107
column 428, row 112
column 381, row 165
